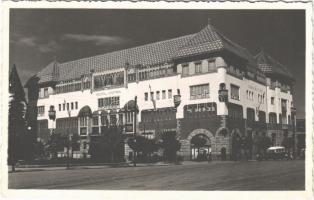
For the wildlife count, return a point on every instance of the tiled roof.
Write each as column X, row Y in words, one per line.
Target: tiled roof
column 150, row 54
column 271, row 66
column 207, row 40
column 48, row 73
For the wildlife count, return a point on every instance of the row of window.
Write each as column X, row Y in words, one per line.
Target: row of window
column 40, row 110
column 71, row 87
column 160, row 115
column 68, row 106
column 106, row 80
column 155, row 73
column 158, row 96
column 109, row 102
column 235, row 71
column 199, row 68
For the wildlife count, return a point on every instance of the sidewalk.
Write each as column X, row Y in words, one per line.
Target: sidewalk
column 30, row 168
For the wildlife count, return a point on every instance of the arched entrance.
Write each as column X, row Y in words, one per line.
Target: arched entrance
column 200, row 144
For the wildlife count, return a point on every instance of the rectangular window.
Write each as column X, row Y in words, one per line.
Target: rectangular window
column 68, row 106
column 76, row 105
column 199, row 91
column 235, row 92
column 40, row 110
column 109, row 102
column 46, row 92
column 163, row 94
column 157, row 95
column 95, row 121
column 63, row 105
column 113, row 119
column 129, row 117
column 272, row 100
column 169, row 94
column 151, row 95
column 198, row 68
column 211, row 65
column 146, row 96
column 72, row 105
column 59, row 107
column 103, row 120
column 185, row 69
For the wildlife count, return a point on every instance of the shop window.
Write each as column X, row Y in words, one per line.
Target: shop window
column 113, row 120
column 83, row 125
column 235, row 92
column 272, row 118
column 95, row 128
column 199, row 91
column 250, row 114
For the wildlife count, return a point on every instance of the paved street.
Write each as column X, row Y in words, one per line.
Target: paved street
column 266, row 175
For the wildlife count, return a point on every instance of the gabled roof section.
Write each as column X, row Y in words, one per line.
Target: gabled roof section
column 270, row 66
column 49, row 73
column 209, row 40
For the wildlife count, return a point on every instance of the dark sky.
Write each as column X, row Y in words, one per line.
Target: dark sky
column 39, row 36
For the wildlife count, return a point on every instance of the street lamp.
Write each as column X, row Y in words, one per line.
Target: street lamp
column 68, row 140
column 135, row 114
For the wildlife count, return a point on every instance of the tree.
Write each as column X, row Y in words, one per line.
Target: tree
column 170, row 145
column 17, row 124
column 56, row 143
column 108, row 146
column 144, row 145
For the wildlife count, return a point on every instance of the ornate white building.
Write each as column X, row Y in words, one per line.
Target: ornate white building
column 224, row 91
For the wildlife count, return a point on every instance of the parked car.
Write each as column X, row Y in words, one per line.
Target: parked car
column 276, row 152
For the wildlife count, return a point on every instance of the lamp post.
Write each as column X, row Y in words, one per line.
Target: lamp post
column 134, row 132
column 68, row 140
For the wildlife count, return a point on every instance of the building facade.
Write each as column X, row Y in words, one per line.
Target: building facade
column 199, row 85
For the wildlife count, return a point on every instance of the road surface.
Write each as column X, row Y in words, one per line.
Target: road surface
column 252, row 175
